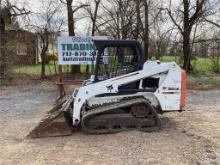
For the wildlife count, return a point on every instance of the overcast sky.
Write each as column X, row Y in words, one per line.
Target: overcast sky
column 35, row 6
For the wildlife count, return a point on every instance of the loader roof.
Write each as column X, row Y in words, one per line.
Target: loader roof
column 135, row 45
column 101, row 44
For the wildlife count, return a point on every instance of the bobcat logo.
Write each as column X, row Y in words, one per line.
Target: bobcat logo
column 109, row 88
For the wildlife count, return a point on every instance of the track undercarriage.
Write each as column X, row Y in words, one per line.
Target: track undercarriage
column 129, row 114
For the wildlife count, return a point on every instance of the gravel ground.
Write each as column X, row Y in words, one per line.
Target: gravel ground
column 190, row 137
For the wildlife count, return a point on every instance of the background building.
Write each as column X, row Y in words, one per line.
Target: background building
column 22, row 47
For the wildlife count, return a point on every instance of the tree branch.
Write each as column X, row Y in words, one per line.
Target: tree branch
column 213, row 23
column 198, row 13
column 174, row 21
column 79, row 7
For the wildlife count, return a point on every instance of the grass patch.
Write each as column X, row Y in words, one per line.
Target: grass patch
column 210, row 81
column 201, row 66
column 34, row 69
column 202, row 74
column 50, row 69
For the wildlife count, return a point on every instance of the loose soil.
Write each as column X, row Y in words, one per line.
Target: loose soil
column 189, row 137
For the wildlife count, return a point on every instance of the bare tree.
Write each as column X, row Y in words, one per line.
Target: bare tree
column 160, row 41
column 93, row 14
column 190, row 15
column 47, row 24
column 151, row 14
column 129, row 19
column 118, row 18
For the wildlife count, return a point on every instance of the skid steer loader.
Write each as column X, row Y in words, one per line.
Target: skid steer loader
column 125, row 92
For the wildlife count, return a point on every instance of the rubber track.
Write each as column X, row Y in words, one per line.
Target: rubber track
column 107, row 108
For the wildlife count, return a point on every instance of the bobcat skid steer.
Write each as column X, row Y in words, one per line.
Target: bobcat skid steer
column 125, row 92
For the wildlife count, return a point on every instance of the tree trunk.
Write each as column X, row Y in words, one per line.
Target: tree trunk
column 71, row 27
column 43, row 75
column 95, row 17
column 158, row 52
column 122, row 20
column 43, row 62
column 186, row 51
column 146, row 31
column 45, row 41
column 137, row 30
column 70, row 18
column 186, row 37
column 3, row 65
